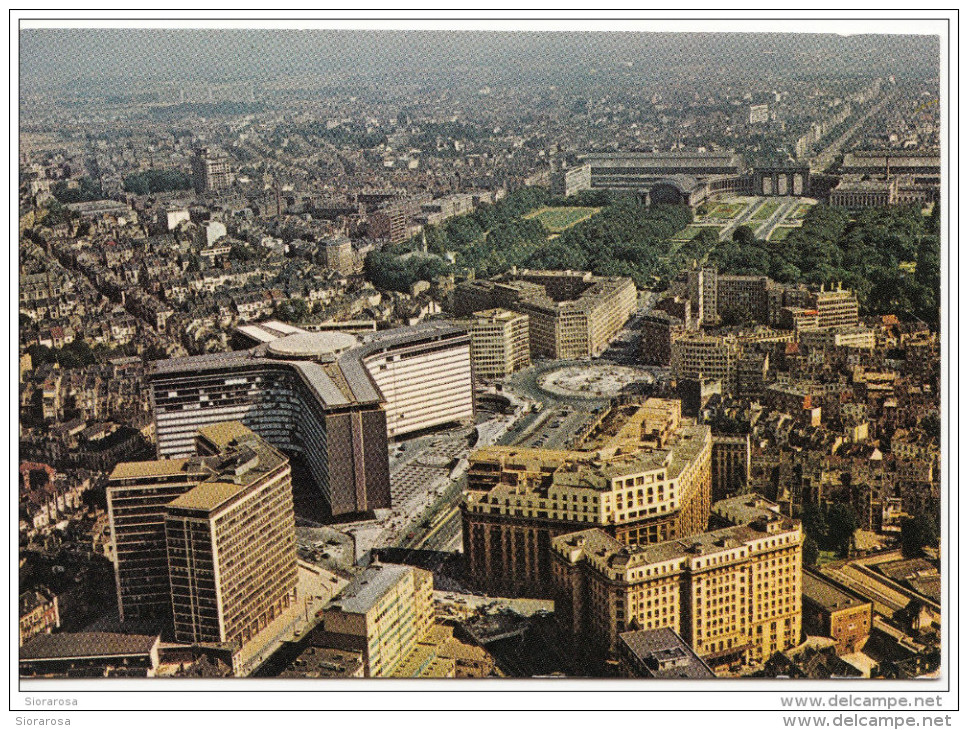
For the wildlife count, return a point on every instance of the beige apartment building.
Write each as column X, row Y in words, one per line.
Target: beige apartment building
column 733, row 595
column 499, row 343
column 382, row 614
column 640, row 473
column 232, row 544
column 207, row 542
column 835, row 308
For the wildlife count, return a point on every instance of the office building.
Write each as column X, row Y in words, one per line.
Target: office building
column 733, row 594
column 571, row 314
column 659, row 331
column 835, row 307
column 567, row 181
column 329, row 397
column 211, row 171
column 138, row 495
column 639, row 473
column 697, row 356
column 206, row 543
column 231, row 543
column 381, row 614
column 499, row 342
column 730, row 465
column 338, row 255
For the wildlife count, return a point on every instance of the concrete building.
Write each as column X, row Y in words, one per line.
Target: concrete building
column 832, row 611
column 232, row 543
column 571, row 314
column 39, row 614
column 330, row 397
column 138, row 494
column 382, row 614
column 696, row 356
column 733, row 595
column 339, row 256
column 659, row 331
column 855, row 336
column 499, row 342
column 730, row 465
column 211, row 171
column 206, row 543
column 570, row 180
column 640, row 473
column 835, row 308
column 94, row 654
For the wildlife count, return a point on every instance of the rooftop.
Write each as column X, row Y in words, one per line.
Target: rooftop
column 826, row 594
column 369, row 587
column 662, row 653
column 89, row 644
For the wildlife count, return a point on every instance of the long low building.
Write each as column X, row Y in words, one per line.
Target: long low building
column 330, row 397
column 637, row 170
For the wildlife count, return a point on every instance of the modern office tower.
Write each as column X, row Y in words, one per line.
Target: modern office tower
column 733, row 595
column 659, row 331
column 381, row 614
column 231, row 543
column 327, row 396
column 499, row 342
column 731, row 465
column 835, row 308
column 571, row 314
column 423, row 374
column 640, row 473
column 567, row 181
column 339, row 256
column 696, row 356
column 211, row 171
column 702, row 288
column 207, row 543
column 138, row 495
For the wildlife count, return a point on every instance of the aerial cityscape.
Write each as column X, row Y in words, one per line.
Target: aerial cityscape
column 451, row 354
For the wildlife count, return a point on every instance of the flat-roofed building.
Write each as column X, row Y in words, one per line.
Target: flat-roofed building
column 835, row 307
column 382, row 614
column 571, row 314
column 570, row 180
column 138, row 494
column 733, row 595
column 856, row 191
column 660, row 654
column 207, row 543
column 833, row 611
column 730, row 465
column 330, row 397
column 211, row 171
column 640, row 473
column 854, row 336
column 90, row 654
column 696, row 356
column 231, row 543
column 637, row 170
column 499, row 342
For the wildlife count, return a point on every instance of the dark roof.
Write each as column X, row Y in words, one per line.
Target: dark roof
column 86, row 645
column 826, row 594
column 662, row 653
column 683, row 183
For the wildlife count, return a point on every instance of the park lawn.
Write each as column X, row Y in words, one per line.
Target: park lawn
column 766, row 210
column 780, row 233
column 801, row 211
column 727, row 211
column 690, row 232
column 827, row 556
column 561, row 219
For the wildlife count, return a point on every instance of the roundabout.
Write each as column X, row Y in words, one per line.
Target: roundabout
column 594, row 381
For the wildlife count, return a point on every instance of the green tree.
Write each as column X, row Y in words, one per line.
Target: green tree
column 917, row 532
column 841, row 523
column 811, row 553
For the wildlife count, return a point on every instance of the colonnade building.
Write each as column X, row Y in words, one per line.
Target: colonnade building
column 640, row 473
column 733, row 594
column 327, row 396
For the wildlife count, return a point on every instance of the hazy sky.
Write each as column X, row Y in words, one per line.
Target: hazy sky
column 58, row 56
